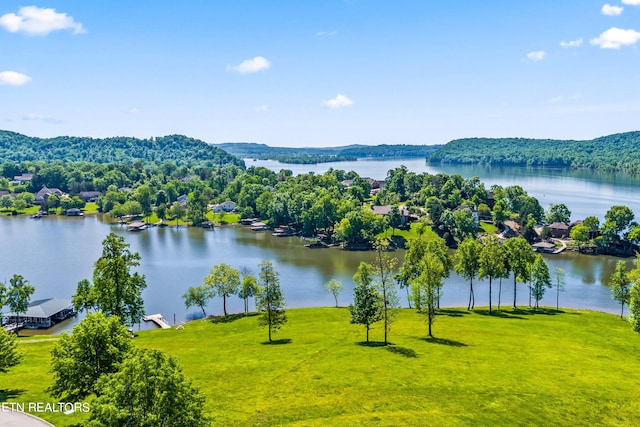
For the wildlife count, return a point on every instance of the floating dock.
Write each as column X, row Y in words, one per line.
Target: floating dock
column 158, row 320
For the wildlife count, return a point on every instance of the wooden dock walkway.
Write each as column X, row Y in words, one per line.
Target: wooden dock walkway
column 13, row 327
column 158, row 320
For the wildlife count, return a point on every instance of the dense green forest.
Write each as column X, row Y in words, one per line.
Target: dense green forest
column 325, row 154
column 15, row 147
column 612, row 153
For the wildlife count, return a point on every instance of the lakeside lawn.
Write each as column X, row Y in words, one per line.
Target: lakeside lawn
column 510, row 368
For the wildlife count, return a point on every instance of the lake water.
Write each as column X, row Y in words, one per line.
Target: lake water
column 55, row 253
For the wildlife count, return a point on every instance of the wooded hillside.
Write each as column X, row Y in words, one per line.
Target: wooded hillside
column 612, row 153
column 15, row 147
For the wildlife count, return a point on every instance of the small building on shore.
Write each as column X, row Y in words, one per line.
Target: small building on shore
column 43, row 313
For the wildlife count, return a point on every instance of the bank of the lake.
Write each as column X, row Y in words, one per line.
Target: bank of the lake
column 55, row 253
column 584, row 192
column 525, row 368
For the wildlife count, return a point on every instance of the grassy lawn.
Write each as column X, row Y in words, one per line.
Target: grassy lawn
column 223, row 217
column 488, row 228
column 90, row 208
column 511, row 368
column 412, row 233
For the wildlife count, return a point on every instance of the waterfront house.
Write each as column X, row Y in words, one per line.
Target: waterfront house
column 44, row 193
column 559, row 230
column 544, row 247
column 227, row 206
column 23, row 179
column 182, row 199
column 385, row 209
column 89, row 196
column 43, row 313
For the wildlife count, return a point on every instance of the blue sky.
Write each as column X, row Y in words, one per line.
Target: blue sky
column 321, row 73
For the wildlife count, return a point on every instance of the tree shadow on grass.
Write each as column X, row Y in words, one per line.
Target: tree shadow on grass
column 546, row 311
column 452, row 313
column 278, row 342
column 231, row 317
column 444, row 341
column 402, row 351
column 501, row 314
column 10, row 394
column 372, row 343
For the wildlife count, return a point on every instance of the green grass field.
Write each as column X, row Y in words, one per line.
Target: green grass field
column 521, row 368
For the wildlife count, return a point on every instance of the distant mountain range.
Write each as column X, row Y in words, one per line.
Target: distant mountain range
column 613, row 153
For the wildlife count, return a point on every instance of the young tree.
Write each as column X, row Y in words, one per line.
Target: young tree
column 19, row 295
column 334, row 288
column 115, row 291
column 395, row 219
column 367, row 302
column 560, row 283
column 223, row 281
column 96, row 347
column 468, row 264
column 519, row 256
column 249, row 289
column 149, row 390
column 9, row 354
column 271, row 301
column 540, row 278
column 634, row 306
column 492, row 262
column 383, row 269
column 425, row 288
column 620, row 285
column 177, row 211
column 197, row 295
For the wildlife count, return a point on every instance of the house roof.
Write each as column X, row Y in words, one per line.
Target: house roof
column 544, row 245
column 44, row 308
column 559, row 226
column 385, row 209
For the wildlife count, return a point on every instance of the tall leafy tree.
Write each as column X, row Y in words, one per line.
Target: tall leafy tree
column 223, row 281
column 468, row 264
column 425, row 288
column 367, row 302
column 334, row 287
column 149, row 390
column 558, row 212
column 3, row 298
column 19, row 295
column 383, row 267
column 620, row 285
column 519, row 256
column 115, row 290
column 197, row 296
column 540, row 278
column 96, row 347
column 271, row 302
column 395, row 219
column 492, row 262
column 9, row 353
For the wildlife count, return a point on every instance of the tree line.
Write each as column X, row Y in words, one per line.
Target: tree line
column 611, row 153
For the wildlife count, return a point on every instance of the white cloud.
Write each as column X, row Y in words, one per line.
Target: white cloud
column 614, row 38
column 261, row 108
column 571, row 43
column 38, row 21
column 607, row 9
column 631, row 2
column 536, row 56
column 556, row 99
column 41, row 118
column 132, row 111
column 338, row 102
column 253, row 65
column 13, row 78
column 326, row 33
column 562, row 98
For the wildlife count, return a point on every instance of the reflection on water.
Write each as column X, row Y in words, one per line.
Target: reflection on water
column 55, row 253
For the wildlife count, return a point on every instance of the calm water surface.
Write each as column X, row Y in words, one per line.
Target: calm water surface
column 55, row 253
